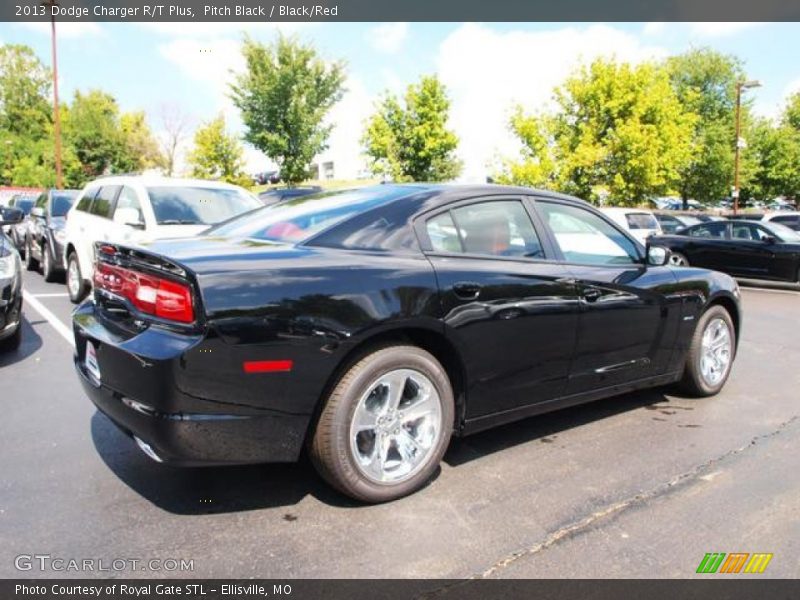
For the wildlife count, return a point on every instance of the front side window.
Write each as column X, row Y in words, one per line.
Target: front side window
column 128, row 210
column 586, row 238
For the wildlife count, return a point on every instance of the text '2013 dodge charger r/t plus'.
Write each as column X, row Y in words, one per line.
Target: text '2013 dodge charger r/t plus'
column 370, row 325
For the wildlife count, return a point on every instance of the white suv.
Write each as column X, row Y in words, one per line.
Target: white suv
column 134, row 209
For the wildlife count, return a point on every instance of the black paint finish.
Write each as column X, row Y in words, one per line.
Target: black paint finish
column 518, row 336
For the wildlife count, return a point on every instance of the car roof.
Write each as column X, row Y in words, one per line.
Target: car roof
column 159, row 181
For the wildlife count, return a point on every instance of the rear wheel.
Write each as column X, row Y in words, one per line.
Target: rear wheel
column 48, row 267
column 31, row 264
column 76, row 286
column 676, row 259
column 711, row 353
column 386, row 425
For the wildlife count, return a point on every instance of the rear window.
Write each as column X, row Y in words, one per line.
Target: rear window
column 198, row 205
column 299, row 219
column 62, row 203
column 641, row 221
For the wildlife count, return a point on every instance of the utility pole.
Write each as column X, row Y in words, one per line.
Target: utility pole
column 740, row 85
column 56, row 111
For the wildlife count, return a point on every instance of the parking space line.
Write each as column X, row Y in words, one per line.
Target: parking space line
column 62, row 329
column 53, row 295
column 767, row 290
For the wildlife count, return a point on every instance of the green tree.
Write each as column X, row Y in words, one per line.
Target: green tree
column 776, row 156
column 25, row 108
column 791, row 114
column 284, row 95
column 619, row 130
column 705, row 82
column 140, row 149
column 91, row 128
column 217, row 154
column 410, row 141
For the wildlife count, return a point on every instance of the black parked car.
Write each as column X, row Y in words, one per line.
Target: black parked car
column 44, row 239
column 23, row 202
column 276, row 195
column 749, row 249
column 370, row 325
column 10, row 283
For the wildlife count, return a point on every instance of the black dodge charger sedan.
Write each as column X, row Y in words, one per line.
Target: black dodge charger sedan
column 742, row 248
column 370, row 325
column 10, row 283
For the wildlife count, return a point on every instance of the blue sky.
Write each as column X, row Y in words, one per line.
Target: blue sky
column 487, row 67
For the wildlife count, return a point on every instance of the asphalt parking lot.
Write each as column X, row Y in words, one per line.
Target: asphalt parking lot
column 641, row 485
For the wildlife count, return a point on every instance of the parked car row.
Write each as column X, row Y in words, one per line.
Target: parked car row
column 61, row 226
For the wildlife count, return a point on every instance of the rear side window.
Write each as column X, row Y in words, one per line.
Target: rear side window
column 641, row 221
column 708, row 230
column 86, row 200
column 382, row 229
column 104, row 201
column 493, row 228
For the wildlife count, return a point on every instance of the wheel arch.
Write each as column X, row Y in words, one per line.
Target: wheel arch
column 429, row 339
column 732, row 307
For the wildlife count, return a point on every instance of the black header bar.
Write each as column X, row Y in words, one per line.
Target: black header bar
column 401, row 10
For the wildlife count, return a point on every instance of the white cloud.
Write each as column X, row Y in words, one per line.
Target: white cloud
column 719, row 29
column 487, row 72
column 66, row 29
column 389, row 37
column 654, row 28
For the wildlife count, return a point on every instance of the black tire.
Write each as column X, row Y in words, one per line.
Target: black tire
column 677, row 259
column 693, row 381
column 10, row 344
column 330, row 447
column 78, row 291
column 31, row 264
column 49, row 270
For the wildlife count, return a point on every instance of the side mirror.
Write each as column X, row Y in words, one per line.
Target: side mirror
column 37, row 211
column 129, row 217
column 657, row 256
column 10, row 215
column 768, row 239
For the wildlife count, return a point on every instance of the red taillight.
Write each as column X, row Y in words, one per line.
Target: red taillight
column 153, row 295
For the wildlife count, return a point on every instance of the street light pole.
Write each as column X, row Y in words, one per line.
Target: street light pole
column 740, row 85
column 56, row 111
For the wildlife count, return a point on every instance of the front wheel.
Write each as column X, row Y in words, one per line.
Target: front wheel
column 386, row 425
column 711, row 353
column 676, row 259
column 76, row 286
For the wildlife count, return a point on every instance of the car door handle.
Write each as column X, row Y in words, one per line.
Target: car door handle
column 592, row 294
column 467, row 290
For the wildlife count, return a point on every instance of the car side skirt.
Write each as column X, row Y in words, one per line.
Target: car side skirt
column 492, row 420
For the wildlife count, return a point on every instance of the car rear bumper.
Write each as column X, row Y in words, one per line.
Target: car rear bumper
column 145, row 400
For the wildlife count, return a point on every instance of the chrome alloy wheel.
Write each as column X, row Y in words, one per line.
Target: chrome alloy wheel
column 73, row 277
column 395, row 426
column 716, row 351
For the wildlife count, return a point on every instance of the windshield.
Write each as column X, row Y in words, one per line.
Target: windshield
column 198, row 205
column 787, row 234
column 299, row 219
column 62, row 202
